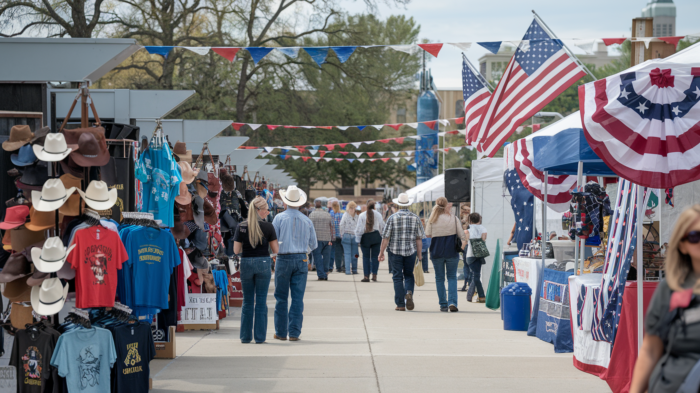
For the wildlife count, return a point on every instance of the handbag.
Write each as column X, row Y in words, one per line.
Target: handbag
column 479, row 248
column 418, row 274
column 458, row 240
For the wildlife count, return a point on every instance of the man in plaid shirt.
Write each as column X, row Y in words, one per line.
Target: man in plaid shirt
column 325, row 234
column 402, row 234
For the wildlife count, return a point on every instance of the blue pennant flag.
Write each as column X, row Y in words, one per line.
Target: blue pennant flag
column 411, row 168
column 159, row 50
column 282, row 156
column 291, row 52
column 318, row 54
column 284, row 151
column 351, row 159
column 343, row 52
column 491, row 46
column 315, row 147
column 361, row 127
column 257, row 53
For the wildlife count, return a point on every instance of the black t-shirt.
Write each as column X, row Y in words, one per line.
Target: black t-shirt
column 262, row 250
column 31, row 355
column 135, row 349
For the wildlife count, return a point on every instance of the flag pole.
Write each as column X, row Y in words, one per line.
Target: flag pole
column 566, row 48
column 477, row 73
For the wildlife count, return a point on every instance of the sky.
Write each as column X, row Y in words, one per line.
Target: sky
column 504, row 20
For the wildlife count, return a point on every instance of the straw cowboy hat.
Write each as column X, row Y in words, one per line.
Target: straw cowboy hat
column 48, row 299
column 188, row 174
column 403, row 200
column 51, row 257
column 20, row 135
column 98, row 196
column 293, row 196
column 55, row 148
column 52, row 196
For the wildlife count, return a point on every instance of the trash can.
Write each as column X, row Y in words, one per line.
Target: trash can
column 515, row 303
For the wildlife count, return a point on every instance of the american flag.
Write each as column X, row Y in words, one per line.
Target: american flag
column 476, row 95
column 539, row 71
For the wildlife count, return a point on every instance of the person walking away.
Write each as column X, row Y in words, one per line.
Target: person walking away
column 368, row 234
column 337, row 248
column 475, row 231
column 403, row 236
column 295, row 235
column 669, row 360
column 348, row 223
column 325, row 234
column 424, row 250
column 253, row 240
column 465, row 210
column 444, row 229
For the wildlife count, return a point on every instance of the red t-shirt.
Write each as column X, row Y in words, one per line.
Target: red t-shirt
column 97, row 256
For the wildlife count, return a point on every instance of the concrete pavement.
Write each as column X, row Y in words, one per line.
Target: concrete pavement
column 353, row 341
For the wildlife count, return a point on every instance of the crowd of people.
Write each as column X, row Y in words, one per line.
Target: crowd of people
column 322, row 237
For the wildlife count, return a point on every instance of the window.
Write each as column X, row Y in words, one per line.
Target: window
column 459, row 108
column 400, row 115
column 482, row 68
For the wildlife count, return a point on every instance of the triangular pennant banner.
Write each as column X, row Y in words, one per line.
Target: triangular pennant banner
column 339, row 159
column 444, row 122
column 396, row 159
column 271, row 127
column 291, row 52
column 361, row 127
column 329, row 147
column 305, row 158
column 671, row 40
column 345, row 153
column 430, row 124
column 416, row 137
column 410, row 49
column 227, row 53
column 283, row 157
column 316, row 158
column 461, row 45
column 343, row 128
column 357, row 153
column 237, row 126
column 313, row 152
column 491, row 46
column 318, row 54
column 412, row 125
column 378, row 127
column 342, row 145
column 351, row 159
column 200, row 50
column 371, row 154
column 343, row 52
column 356, row 144
column 159, row 50
column 612, row 41
column 386, row 159
column 399, row 139
column 254, row 126
column 269, row 149
column 322, row 153
column 328, row 159
column 361, row 159
column 459, row 120
column 433, row 49
column 257, row 53
column 315, row 147
column 394, row 126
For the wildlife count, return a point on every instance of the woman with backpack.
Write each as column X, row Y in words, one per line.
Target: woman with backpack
column 669, row 360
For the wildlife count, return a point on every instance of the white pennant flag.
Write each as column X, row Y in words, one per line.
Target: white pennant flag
column 296, row 157
column 308, row 127
column 519, row 129
column 458, row 148
column 313, row 152
column 254, row 126
column 378, row 126
column 316, row 158
column 463, row 132
column 396, row 159
column 361, row 159
column 416, row 137
column 356, row 144
column 287, row 147
column 200, row 50
column 410, row 152
column 412, row 125
column 444, row 122
column 292, row 52
column 269, row 149
column 381, row 153
column 343, row 128
column 461, row 45
column 441, row 133
column 396, row 153
column 357, row 153
column 328, row 159
column 586, row 45
column 410, row 49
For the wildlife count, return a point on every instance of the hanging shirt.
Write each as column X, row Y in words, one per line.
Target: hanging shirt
column 84, row 358
column 153, row 255
column 97, row 256
column 134, row 349
column 31, row 353
column 160, row 176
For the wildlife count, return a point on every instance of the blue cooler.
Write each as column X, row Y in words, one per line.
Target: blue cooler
column 515, row 306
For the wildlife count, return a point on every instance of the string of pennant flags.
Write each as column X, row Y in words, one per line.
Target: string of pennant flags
column 358, row 154
column 430, row 124
column 320, row 53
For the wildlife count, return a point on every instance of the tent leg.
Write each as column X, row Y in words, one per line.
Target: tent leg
column 577, row 252
column 640, row 268
column 544, row 219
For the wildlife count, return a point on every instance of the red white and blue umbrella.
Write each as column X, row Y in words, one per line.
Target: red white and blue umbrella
column 645, row 123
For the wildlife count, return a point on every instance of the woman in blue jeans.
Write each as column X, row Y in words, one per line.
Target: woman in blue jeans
column 348, row 223
column 444, row 229
column 476, row 231
column 253, row 240
column 368, row 233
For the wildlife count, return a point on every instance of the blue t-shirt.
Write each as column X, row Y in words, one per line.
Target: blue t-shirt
column 161, row 177
column 84, row 357
column 152, row 256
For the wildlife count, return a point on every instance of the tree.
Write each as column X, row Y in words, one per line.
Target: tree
column 74, row 18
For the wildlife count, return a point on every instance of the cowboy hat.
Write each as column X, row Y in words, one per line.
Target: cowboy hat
column 17, row 290
column 210, row 216
column 72, row 206
column 20, row 135
column 54, row 148
column 198, row 211
column 50, row 258
column 34, row 177
column 213, row 183
column 48, row 299
column 23, row 237
column 40, row 135
column 16, row 267
column 184, row 198
column 293, row 196
column 52, row 196
column 89, row 152
column 98, row 196
column 180, row 150
column 403, row 200
column 227, row 181
column 188, row 174
column 41, row 220
column 24, row 157
column 37, row 278
column 179, row 229
column 14, row 217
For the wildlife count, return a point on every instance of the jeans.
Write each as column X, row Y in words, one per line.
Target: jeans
column 370, row 259
column 337, row 254
column 350, row 250
column 322, row 259
column 465, row 268
column 424, row 254
column 475, row 283
column 291, row 272
column 402, row 271
column 446, row 267
column 255, row 280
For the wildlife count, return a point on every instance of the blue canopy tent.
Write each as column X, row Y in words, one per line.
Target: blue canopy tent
column 561, row 153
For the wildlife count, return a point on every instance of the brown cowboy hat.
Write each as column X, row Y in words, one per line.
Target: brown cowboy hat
column 21, row 315
column 18, row 290
column 210, row 216
column 40, row 221
column 40, row 135
column 214, row 184
column 22, row 238
column 227, row 181
column 179, row 229
column 72, row 205
column 89, row 152
column 180, row 150
column 188, row 174
column 20, row 135
column 16, row 267
column 184, row 198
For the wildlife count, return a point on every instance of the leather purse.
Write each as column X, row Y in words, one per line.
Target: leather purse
column 208, row 286
column 459, row 247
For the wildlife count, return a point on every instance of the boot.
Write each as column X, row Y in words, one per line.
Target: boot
column 374, row 277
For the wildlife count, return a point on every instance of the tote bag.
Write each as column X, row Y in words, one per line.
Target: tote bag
column 418, row 274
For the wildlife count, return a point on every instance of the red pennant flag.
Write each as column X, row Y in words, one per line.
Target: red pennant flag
column 386, row 159
column 394, row 126
column 237, row 126
column 291, row 127
column 300, row 146
column 384, row 140
column 329, row 147
column 671, row 40
column 325, row 127
column 373, row 160
column 301, row 149
column 611, row 41
column 322, row 153
column 452, row 132
column 459, row 120
column 371, row 153
column 342, row 145
column 433, row 49
column 447, row 149
column 287, row 157
column 345, row 153
column 430, row 124
column 227, row 53
column 339, row 159
column 399, row 139
column 536, row 127
column 271, row 127
column 305, row 158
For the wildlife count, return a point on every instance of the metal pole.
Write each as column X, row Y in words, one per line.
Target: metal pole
column 579, row 184
column 640, row 268
column 544, row 219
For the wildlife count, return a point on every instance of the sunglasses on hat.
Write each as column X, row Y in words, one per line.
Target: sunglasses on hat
column 693, row 237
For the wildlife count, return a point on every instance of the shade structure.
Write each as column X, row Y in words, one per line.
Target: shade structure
column 255, row 164
column 219, row 145
column 560, row 154
column 242, row 157
column 190, row 131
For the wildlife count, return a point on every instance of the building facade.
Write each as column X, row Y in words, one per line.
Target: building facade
column 664, row 14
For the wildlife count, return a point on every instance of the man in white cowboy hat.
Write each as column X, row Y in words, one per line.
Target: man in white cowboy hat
column 296, row 237
column 402, row 234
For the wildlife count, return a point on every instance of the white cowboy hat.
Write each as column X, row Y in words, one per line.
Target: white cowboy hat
column 403, row 200
column 293, row 196
column 98, row 196
column 54, row 149
column 52, row 196
column 49, row 297
column 51, row 257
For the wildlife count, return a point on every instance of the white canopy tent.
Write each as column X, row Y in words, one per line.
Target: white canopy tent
column 428, row 191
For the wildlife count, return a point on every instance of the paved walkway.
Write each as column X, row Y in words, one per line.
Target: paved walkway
column 354, row 341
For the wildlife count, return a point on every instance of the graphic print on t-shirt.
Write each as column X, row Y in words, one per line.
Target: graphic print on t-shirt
column 89, row 366
column 32, row 366
column 98, row 256
column 150, row 253
column 132, row 358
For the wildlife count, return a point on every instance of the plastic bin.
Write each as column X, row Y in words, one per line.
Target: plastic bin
column 563, row 250
column 516, row 306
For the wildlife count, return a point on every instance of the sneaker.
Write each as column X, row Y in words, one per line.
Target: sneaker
column 443, row 309
column 409, row 301
column 355, row 273
column 321, row 279
column 366, row 279
column 481, row 300
column 339, row 271
column 453, row 308
column 294, row 339
column 374, row 277
column 400, row 309
column 280, row 338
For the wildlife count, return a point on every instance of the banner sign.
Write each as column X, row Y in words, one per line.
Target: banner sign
column 200, row 308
